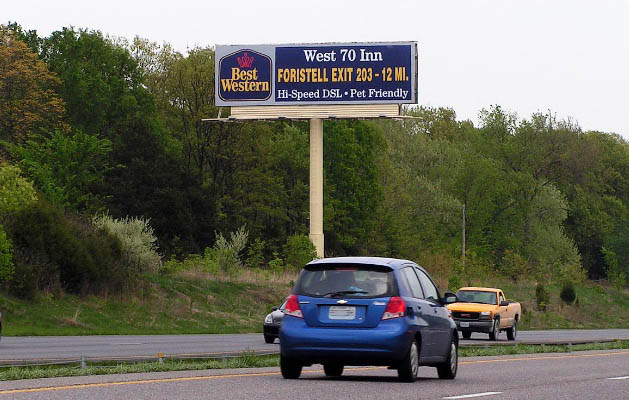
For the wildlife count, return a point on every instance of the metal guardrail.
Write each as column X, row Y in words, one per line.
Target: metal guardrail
column 160, row 357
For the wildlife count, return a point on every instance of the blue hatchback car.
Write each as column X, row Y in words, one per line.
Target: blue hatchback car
column 367, row 311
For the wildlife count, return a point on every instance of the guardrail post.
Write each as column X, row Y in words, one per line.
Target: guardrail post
column 83, row 362
column 160, row 357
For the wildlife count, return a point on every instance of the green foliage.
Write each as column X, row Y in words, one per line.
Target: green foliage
column 615, row 274
column 513, row 266
column 255, row 254
column 351, row 191
column 65, row 166
column 55, row 250
column 136, row 237
column 276, row 264
column 226, row 253
column 455, row 281
column 7, row 268
column 573, row 272
column 568, row 295
column 298, row 251
column 542, row 297
column 15, row 191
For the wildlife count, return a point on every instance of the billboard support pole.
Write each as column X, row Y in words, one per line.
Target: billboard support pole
column 316, row 185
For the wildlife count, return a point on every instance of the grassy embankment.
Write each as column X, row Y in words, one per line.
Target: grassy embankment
column 193, row 302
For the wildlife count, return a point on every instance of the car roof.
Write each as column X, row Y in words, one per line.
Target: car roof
column 393, row 263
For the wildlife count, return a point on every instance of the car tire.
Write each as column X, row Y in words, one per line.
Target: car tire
column 408, row 370
column 269, row 339
column 291, row 369
column 334, row 370
column 495, row 332
column 448, row 369
column 513, row 331
column 466, row 334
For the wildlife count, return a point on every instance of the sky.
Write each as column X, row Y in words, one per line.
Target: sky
column 567, row 57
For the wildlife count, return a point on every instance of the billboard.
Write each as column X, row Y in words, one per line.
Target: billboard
column 333, row 73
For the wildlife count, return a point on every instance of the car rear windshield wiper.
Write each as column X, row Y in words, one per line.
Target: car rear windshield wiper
column 344, row 292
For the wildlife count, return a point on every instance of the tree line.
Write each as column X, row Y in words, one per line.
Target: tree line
column 96, row 125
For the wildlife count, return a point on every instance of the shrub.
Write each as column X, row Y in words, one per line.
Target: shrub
column 15, row 191
column 255, row 255
column 298, row 251
column 573, row 272
column 7, row 268
column 542, row 297
column 513, row 266
column 276, row 264
column 617, row 277
column 227, row 252
column 568, row 294
column 23, row 283
column 54, row 249
column 137, row 239
column 454, row 279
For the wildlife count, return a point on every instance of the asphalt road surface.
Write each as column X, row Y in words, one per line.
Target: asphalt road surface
column 580, row 375
column 29, row 348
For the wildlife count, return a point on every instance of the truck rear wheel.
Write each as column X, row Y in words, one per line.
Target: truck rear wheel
column 466, row 334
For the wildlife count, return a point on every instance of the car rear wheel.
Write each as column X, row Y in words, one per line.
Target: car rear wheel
column 333, row 369
column 409, row 368
column 493, row 335
column 513, row 331
column 466, row 334
column 269, row 339
column 290, row 368
column 448, row 369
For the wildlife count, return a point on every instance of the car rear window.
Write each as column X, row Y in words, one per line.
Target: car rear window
column 338, row 280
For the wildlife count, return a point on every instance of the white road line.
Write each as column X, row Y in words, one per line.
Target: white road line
column 467, row 396
column 619, row 378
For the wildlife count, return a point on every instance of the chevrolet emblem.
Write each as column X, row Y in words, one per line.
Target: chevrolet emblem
column 341, row 302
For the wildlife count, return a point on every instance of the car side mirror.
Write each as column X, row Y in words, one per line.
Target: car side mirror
column 449, row 298
column 504, row 303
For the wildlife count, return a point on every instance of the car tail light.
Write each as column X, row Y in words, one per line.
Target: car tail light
column 395, row 308
column 292, row 306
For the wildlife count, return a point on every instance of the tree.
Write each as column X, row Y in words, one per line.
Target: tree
column 28, row 98
column 101, row 83
column 351, row 191
column 65, row 166
column 15, row 191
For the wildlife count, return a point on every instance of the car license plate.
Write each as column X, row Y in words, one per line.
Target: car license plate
column 342, row 312
column 465, row 324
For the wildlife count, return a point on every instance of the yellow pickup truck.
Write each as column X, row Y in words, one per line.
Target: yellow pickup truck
column 486, row 310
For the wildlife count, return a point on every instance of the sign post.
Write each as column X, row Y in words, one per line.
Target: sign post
column 316, row 82
column 316, row 185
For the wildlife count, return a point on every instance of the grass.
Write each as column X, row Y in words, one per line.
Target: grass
column 254, row 361
column 186, row 302
column 193, row 301
column 53, row 371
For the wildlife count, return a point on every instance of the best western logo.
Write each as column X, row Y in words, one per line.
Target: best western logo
column 245, row 76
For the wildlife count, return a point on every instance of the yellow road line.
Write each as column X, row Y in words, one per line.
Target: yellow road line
column 208, row 377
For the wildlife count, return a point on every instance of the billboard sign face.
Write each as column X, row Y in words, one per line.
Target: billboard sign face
column 336, row 73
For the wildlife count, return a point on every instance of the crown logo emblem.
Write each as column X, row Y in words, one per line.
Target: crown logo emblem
column 245, row 61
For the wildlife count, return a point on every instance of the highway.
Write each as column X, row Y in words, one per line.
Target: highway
column 45, row 348
column 581, row 375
